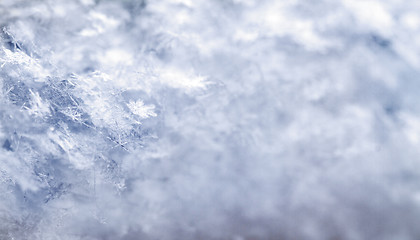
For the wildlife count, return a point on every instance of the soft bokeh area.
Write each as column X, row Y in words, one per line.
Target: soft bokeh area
column 209, row 119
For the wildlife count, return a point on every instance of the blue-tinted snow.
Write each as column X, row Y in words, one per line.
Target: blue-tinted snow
column 234, row 119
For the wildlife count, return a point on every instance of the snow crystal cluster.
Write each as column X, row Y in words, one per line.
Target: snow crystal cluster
column 209, row 119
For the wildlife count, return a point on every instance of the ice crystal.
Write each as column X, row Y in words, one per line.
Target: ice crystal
column 141, row 110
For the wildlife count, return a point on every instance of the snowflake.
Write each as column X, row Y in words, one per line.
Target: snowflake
column 141, row 110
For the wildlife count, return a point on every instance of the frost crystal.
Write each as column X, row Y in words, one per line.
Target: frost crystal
column 141, row 110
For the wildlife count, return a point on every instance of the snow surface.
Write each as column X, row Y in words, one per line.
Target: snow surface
column 209, row 119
